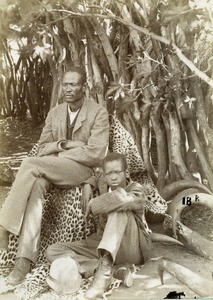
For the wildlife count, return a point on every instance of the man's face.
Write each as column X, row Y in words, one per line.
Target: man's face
column 115, row 174
column 73, row 88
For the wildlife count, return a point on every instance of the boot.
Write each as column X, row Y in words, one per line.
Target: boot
column 124, row 274
column 102, row 278
column 4, row 238
column 21, row 269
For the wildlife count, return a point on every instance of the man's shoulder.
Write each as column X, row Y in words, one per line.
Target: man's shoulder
column 94, row 106
column 58, row 107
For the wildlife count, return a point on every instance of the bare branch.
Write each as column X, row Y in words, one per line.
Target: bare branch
column 145, row 31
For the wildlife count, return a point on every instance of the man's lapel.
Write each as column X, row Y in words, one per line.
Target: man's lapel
column 81, row 116
column 63, row 120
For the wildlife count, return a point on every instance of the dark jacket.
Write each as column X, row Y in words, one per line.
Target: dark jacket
column 130, row 199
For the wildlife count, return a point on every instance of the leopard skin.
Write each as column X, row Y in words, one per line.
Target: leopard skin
column 122, row 142
column 63, row 218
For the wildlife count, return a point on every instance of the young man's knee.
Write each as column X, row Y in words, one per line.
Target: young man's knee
column 119, row 215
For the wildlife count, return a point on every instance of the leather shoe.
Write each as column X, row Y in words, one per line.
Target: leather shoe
column 4, row 238
column 21, row 269
column 102, row 279
column 124, row 274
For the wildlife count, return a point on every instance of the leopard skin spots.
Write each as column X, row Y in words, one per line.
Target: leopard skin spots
column 123, row 142
column 63, row 220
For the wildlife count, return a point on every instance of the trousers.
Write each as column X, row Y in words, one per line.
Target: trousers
column 120, row 238
column 21, row 212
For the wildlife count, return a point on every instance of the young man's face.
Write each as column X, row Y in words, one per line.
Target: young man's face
column 73, row 88
column 115, row 174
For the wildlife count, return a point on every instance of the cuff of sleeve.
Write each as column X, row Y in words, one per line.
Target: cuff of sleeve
column 59, row 145
column 93, row 206
column 41, row 151
column 101, row 204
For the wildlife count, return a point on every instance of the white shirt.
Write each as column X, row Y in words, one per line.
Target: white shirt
column 72, row 114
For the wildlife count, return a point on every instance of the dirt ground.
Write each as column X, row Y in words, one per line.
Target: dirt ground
column 147, row 283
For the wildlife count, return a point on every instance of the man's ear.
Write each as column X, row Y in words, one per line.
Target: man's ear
column 84, row 87
column 127, row 174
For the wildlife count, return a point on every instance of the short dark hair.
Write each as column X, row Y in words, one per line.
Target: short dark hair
column 115, row 156
column 79, row 70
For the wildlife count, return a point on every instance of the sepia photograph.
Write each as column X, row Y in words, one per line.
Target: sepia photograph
column 106, row 149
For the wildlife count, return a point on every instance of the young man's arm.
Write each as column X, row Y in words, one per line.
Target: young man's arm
column 89, row 186
column 119, row 200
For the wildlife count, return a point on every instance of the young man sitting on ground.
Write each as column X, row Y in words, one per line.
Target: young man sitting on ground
column 120, row 238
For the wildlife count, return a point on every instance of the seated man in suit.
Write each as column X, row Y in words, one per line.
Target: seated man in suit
column 73, row 141
column 120, row 238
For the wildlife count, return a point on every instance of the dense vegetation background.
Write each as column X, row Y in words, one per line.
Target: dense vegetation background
column 151, row 60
